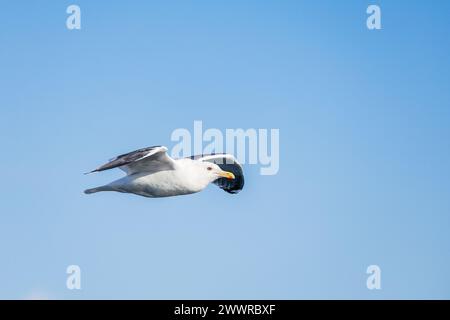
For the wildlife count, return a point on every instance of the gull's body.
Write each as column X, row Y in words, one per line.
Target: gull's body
column 152, row 173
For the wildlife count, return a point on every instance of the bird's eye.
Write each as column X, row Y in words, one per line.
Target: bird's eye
column 209, row 168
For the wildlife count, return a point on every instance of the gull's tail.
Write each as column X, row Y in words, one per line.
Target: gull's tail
column 98, row 189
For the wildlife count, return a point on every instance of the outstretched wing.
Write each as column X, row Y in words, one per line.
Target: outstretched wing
column 148, row 159
column 227, row 163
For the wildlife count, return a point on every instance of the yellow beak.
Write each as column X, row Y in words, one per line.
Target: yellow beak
column 227, row 175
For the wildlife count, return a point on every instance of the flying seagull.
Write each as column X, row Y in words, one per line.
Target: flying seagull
column 150, row 172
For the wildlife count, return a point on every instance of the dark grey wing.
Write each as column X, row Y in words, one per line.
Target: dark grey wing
column 141, row 160
column 227, row 163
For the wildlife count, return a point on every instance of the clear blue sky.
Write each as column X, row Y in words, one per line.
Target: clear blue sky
column 364, row 119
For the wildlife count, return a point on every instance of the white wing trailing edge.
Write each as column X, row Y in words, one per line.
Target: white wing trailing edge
column 142, row 160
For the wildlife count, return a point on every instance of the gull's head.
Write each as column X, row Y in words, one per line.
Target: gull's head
column 198, row 174
column 214, row 172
